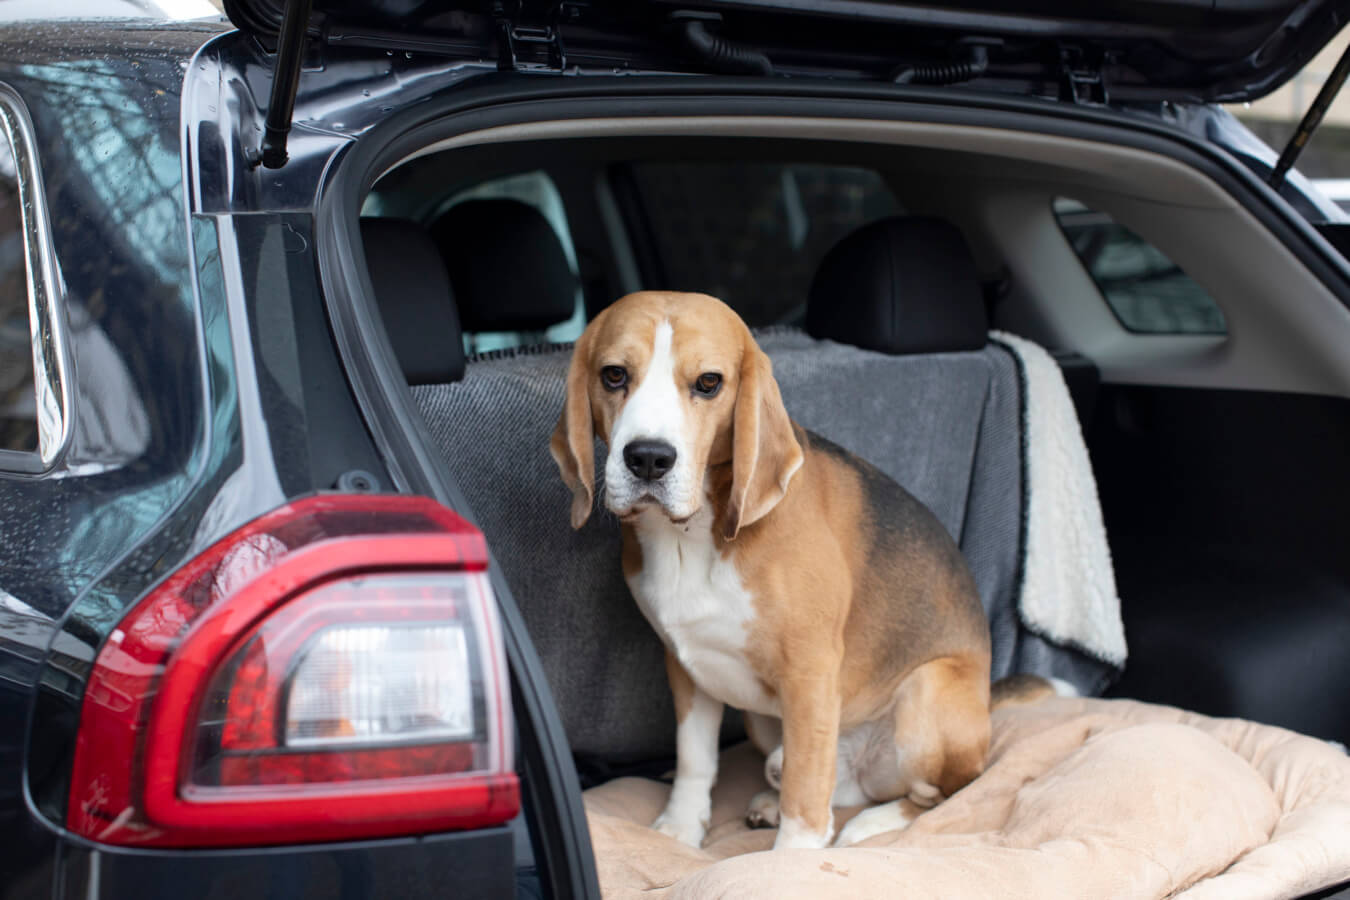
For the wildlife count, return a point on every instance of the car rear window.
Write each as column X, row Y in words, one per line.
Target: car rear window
column 750, row 233
column 1147, row 292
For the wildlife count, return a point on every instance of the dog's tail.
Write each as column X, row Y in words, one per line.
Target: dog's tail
column 1015, row 690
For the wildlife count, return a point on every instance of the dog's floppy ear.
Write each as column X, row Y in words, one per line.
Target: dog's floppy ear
column 573, row 441
column 764, row 452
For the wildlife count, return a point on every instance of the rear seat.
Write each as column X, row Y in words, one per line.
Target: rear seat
column 502, row 249
column 897, row 368
column 416, row 303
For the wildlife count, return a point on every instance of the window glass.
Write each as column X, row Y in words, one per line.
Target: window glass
column 539, row 191
column 753, row 234
column 1147, row 291
column 18, row 396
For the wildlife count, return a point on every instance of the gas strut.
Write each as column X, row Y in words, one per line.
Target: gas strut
column 285, row 79
column 1311, row 119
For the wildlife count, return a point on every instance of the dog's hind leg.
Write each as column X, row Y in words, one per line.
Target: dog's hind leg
column 941, row 741
column 857, row 748
column 873, row 821
column 766, row 733
column 941, row 731
column 763, row 811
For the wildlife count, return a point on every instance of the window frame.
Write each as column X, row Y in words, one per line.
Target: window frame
column 46, row 311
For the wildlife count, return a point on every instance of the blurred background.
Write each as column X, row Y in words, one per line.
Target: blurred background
column 1273, row 118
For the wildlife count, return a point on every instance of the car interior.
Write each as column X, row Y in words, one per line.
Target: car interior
column 1207, row 380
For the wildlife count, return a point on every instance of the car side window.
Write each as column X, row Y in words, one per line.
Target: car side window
column 18, row 391
column 538, row 190
column 751, row 234
column 1145, row 290
column 33, row 401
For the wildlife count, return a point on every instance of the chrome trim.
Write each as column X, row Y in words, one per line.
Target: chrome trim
column 46, row 291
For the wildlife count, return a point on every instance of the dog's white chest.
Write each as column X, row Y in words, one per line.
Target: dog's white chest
column 696, row 602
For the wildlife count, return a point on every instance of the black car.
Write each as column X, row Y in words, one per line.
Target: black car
column 288, row 602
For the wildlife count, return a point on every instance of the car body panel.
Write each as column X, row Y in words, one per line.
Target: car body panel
column 107, row 136
column 206, row 393
column 474, row 865
column 341, row 96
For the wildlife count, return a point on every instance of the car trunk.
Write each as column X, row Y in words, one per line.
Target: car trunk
column 1159, row 521
column 1232, row 584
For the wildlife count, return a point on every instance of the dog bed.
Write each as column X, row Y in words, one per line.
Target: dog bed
column 1082, row 798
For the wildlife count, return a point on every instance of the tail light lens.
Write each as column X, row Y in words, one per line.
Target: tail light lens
column 333, row 670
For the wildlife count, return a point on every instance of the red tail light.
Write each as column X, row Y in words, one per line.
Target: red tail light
column 332, row 670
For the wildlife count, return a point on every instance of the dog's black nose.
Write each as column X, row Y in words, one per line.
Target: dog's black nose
column 649, row 460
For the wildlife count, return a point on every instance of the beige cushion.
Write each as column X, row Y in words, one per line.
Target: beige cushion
column 1088, row 798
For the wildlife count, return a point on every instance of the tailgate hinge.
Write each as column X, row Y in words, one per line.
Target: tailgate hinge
column 1080, row 76
column 515, row 34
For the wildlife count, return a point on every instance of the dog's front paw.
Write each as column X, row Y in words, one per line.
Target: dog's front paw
column 763, row 810
column 795, row 834
column 685, row 831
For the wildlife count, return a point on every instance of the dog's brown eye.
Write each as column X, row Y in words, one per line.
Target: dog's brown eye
column 613, row 377
column 708, row 384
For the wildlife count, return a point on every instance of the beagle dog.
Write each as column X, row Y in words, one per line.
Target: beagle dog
column 785, row 576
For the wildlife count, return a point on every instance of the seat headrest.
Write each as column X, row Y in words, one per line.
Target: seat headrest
column 415, row 300
column 900, row 285
column 507, row 266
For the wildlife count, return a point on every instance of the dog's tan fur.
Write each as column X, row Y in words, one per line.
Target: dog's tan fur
column 864, row 611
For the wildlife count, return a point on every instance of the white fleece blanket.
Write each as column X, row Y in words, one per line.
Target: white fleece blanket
column 1068, row 591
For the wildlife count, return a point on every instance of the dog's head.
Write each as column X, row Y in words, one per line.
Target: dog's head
column 675, row 385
